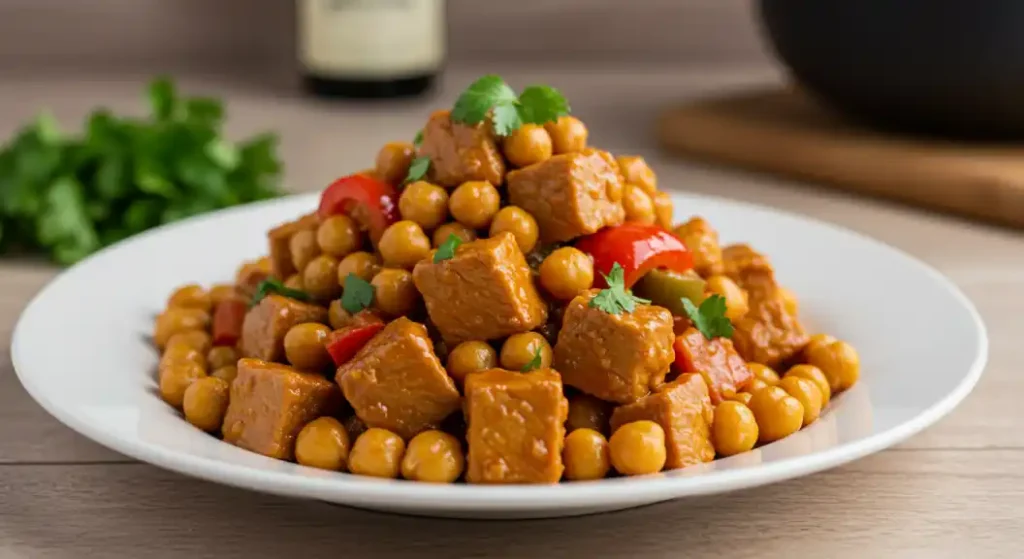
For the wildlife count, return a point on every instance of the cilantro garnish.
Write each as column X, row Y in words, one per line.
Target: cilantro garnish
column 490, row 94
column 616, row 299
column 274, row 285
column 418, row 169
column 709, row 318
column 535, row 362
column 447, row 248
column 418, row 140
column 358, row 294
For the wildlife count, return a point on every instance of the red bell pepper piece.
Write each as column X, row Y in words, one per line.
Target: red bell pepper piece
column 638, row 248
column 343, row 344
column 227, row 321
column 716, row 360
column 370, row 202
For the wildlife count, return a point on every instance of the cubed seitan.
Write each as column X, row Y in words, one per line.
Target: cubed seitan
column 251, row 274
column 516, row 426
column 280, row 237
column 270, row 403
column 702, row 240
column 569, row 195
column 484, row 292
column 266, row 324
column 683, row 409
column 616, row 357
column 461, row 152
column 724, row 371
column 396, row 382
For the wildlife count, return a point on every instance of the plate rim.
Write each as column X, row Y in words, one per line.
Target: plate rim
column 344, row 488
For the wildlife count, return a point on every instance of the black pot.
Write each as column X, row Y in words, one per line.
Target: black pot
column 950, row 67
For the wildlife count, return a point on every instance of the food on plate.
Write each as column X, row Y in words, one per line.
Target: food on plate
column 499, row 303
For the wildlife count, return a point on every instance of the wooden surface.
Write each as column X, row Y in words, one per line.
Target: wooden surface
column 784, row 132
column 953, row 491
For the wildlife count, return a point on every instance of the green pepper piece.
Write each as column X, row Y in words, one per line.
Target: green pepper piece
column 666, row 288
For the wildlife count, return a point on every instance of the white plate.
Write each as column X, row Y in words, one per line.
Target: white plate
column 81, row 350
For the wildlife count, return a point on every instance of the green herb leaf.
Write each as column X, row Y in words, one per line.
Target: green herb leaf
column 358, row 294
column 418, row 140
column 162, row 98
column 473, row 105
column 535, row 362
column 616, row 299
column 539, row 104
column 709, row 318
column 274, row 285
column 505, row 119
column 418, row 169
column 447, row 248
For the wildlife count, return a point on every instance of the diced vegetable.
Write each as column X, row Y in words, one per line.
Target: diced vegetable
column 345, row 343
column 370, row 202
column 227, row 322
column 666, row 288
column 638, row 248
column 716, row 360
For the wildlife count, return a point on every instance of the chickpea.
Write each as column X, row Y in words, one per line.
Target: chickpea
column 395, row 293
column 223, row 292
column 338, row 236
column 442, row 233
column 205, row 402
column 638, row 205
column 736, row 302
column 227, row 373
column 585, row 455
column 403, row 244
column 789, row 301
column 424, row 203
column 838, row 360
column 778, row 414
column 320, row 278
column 337, row 316
column 520, row 223
column 470, row 357
column 178, row 354
column 741, row 397
column 519, row 349
column 474, row 204
column 734, row 429
column 190, row 297
column 816, row 340
column 303, row 248
column 815, row 375
column 587, row 412
column 568, row 135
column 365, row 265
column 433, row 457
column 636, row 171
column 638, row 448
column 566, row 272
column 175, row 380
column 764, row 373
column 807, row 393
column 198, row 340
column 528, row 144
column 393, row 161
column 294, row 281
column 304, row 346
column 378, row 453
column 663, row 209
column 323, row 443
column 178, row 319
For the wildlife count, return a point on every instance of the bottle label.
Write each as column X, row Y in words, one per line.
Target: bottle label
column 371, row 38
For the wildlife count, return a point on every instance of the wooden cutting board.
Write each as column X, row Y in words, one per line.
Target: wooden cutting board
column 783, row 132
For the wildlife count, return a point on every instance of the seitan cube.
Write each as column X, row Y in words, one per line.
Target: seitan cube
column 396, row 382
column 266, row 324
column 724, row 371
column 516, row 426
column 460, row 152
column 270, row 403
column 569, row 195
column 484, row 292
column 683, row 409
column 280, row 237
column 616, row 357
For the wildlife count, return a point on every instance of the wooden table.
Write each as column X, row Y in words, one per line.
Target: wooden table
column 955, row 489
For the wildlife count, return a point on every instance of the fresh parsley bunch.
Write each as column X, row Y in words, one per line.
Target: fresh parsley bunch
column 68, row 196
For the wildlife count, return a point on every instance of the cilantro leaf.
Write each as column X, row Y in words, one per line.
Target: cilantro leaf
column 358, row 294
column 418, row 169
column 418, row 140
column 447, row 248
column 616, row 299
column 472, row 106
column 535, row 362
column 709, row 318
column 274, row 285
column 539, row 104
column 505, row 119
